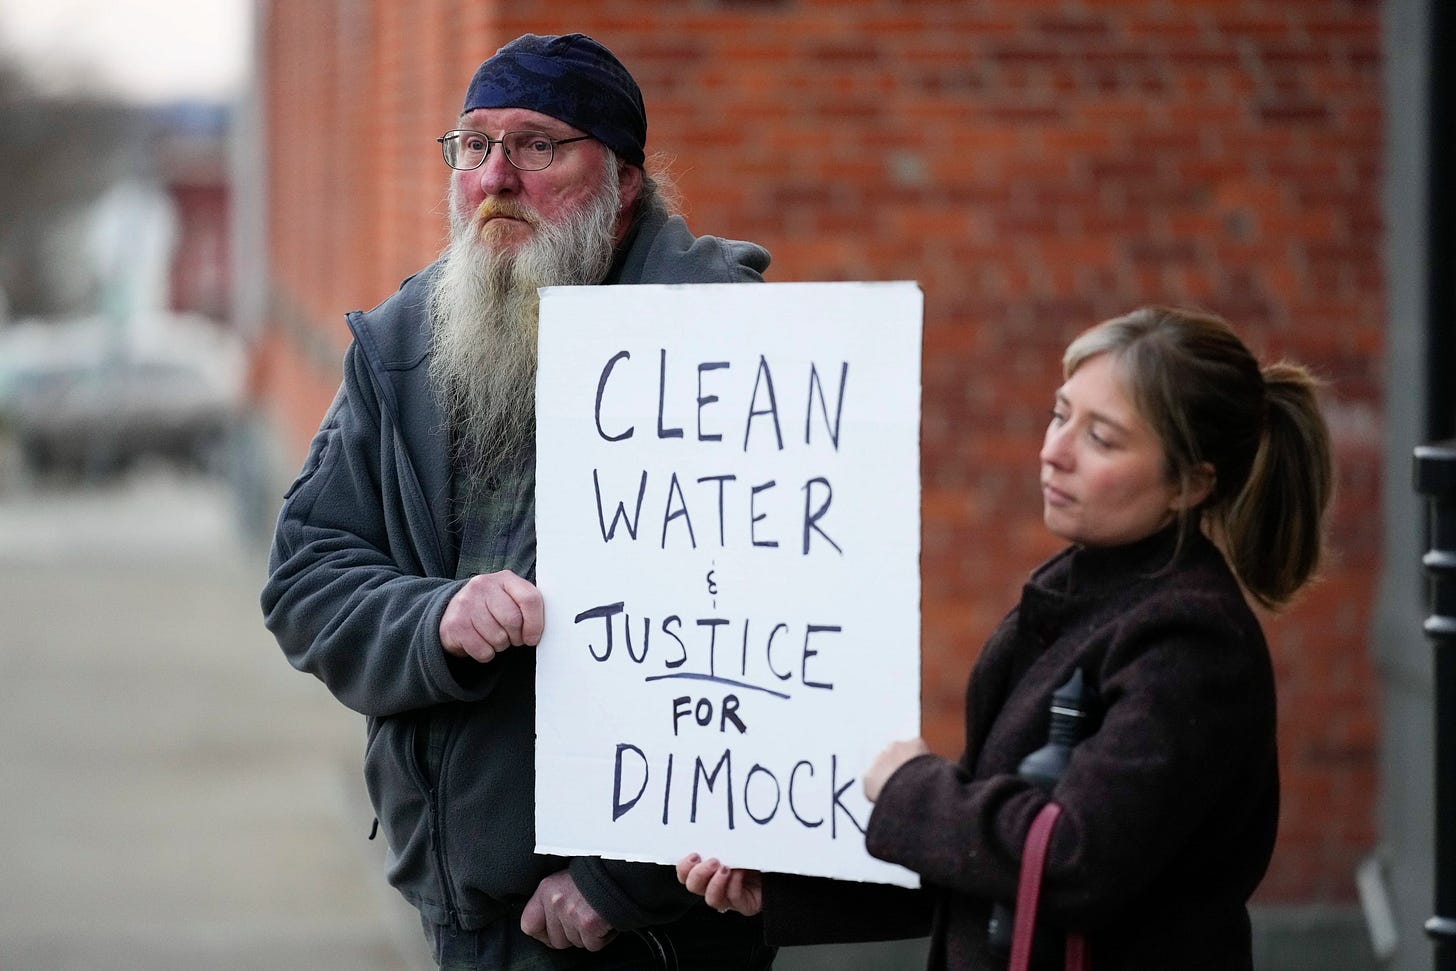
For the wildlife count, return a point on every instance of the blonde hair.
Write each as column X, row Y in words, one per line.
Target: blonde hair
column 1260, row 430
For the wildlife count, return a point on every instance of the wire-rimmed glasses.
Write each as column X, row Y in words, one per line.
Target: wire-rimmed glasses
column 529, row 151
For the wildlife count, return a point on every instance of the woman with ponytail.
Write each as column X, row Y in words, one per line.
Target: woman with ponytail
column 1188, row 480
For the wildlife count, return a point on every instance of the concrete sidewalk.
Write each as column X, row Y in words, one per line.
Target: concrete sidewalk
column 174, row 795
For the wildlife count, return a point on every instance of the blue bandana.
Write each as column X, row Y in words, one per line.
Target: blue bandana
column 571, row 78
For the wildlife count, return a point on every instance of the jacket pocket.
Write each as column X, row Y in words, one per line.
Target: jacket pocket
column 401, row 806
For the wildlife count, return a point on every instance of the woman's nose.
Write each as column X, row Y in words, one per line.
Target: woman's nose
column 1054, row 449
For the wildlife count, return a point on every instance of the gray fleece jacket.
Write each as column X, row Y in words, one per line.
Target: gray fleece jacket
column 362, row 565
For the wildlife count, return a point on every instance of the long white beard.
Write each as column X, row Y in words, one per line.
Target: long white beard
column 485, row 309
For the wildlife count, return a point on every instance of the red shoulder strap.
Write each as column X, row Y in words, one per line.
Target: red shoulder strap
column 1028, row 891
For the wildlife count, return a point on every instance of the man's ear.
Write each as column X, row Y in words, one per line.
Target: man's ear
column 1199, row 487
column 629, row 182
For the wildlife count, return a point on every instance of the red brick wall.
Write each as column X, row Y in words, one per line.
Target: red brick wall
column 1037, row 165
column 201, row 262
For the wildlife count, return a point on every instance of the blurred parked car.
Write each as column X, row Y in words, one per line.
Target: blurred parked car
column 77, row 403
column 98, row 421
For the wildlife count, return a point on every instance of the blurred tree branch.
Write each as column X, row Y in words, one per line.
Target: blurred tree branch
column 57, row 156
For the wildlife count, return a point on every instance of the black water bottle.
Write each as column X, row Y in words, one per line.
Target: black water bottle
column 1042, row 768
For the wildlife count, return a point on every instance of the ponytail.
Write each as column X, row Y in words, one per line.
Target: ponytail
column 1273, row 527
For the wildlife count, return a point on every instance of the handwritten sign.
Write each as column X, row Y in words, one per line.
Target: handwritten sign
column 728, row 540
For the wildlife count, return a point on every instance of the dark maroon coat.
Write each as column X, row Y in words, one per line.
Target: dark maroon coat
column 1170, row 807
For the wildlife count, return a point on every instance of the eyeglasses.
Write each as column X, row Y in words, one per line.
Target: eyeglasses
column 529, row 151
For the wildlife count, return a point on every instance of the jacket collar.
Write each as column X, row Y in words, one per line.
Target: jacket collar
column 1082, row 575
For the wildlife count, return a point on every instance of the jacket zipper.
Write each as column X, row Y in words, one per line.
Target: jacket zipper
column 450, row 909
column 431, row 787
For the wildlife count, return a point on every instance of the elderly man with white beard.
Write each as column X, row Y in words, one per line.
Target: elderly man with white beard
column 403, row 563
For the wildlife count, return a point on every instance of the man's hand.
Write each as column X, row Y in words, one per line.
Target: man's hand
column 558, row 916
column 724, row 888
column 895, row 755
column 490, row 613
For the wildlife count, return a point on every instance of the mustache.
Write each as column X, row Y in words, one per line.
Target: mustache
column 490, row 208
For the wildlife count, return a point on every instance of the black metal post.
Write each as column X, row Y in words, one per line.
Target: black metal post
column 1435, row 477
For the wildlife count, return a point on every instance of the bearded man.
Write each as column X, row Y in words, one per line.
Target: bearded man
column 403, row 564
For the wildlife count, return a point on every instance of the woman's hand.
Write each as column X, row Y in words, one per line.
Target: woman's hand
column 895, row 755
column 724, row 888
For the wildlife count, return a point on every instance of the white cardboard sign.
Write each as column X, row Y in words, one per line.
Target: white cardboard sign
column 728, row 541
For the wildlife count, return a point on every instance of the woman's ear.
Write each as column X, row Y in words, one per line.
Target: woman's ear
column 1197, row 488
